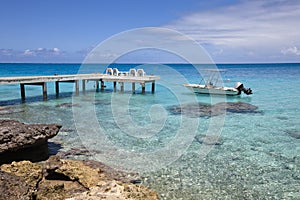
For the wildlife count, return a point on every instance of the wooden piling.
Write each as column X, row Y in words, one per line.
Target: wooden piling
column 44, row 85
column 115, row 86
column 83, row 85
column 102, row 85
column 143, row 88
column 22, row 87
column 122, row 86
column 133, row 87
column 77, row 87
column 97, row 85
column 153, row 87
column 57, row 88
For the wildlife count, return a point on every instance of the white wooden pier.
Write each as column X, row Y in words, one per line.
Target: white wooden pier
column 98, row 78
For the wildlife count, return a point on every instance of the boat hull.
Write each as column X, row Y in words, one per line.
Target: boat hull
column 202, row 89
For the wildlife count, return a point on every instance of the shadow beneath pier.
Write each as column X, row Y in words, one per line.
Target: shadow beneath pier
column 39, row 98
column 33, row 99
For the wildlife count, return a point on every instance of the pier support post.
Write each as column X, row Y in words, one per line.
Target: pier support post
column 97, row 85
column 115, row 86
column 22, row 87
column 153, row 87
column 77, row 87
column 102, row 85
column 57, row 88
column 133, row 87
column 44, row 85
column 122, row 86
column 143, row 88
column 83, row 85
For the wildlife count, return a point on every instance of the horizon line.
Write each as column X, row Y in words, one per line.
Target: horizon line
column 220, row 63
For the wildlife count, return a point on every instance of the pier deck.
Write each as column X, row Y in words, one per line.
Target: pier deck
column 102, row 78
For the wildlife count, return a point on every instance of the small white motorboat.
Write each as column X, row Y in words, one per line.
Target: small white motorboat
column 210, row 85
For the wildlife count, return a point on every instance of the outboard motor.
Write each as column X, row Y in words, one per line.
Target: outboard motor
column 240, row 87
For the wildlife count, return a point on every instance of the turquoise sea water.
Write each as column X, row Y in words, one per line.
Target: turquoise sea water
column 258, row 158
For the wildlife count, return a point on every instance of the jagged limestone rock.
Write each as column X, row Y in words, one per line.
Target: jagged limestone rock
column 13, row 187
column 19, row 141
column 68, row 179
column 31, row 172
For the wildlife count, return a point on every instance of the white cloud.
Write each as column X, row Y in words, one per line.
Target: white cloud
column 56, row 51
column 84, row 52
column 291, row 50
column 257, row 26
column 42, row 52
column 218, row 52
column 28, row 52
column 109, row 55
column 6, row 52
column 99, row 56
column 33, row 55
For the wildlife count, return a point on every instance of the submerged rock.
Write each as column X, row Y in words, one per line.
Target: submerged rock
column 236, row 107
column 209, row 139
column 62, row 179
column 67, row 130
column 282, row 118
column 4, row 110
column 293, row 133
column 19, row 141
column 68, row 105
column 206, row 110
column 75, row 152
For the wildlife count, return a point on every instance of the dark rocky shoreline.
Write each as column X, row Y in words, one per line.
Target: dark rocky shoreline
column 27, row 172
column 19, row 141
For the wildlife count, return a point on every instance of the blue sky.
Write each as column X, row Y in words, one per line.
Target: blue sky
column 231, row 31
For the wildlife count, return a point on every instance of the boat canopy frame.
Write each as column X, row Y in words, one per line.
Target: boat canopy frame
column 212, row 77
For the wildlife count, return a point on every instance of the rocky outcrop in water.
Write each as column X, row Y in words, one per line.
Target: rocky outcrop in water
column 293, row 133
column 62, row 179
column 4, row 110
column 206, row 110
column 68, row 105
column 209, row 139
column 19, row 141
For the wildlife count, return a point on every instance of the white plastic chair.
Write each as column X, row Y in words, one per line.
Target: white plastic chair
column 109, row 71
column 115, row 72
column 141, row 72
column 132, row 72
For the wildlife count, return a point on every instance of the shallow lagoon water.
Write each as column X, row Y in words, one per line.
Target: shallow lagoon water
column 259, row 157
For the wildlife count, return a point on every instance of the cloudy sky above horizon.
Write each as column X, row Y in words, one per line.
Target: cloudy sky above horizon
column 231, row 31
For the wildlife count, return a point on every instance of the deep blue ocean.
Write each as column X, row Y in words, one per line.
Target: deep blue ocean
column 257, row 155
